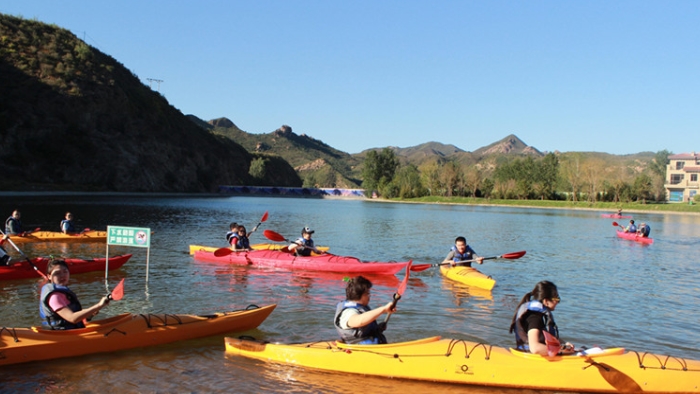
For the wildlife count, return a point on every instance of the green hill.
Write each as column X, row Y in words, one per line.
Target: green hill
column 72, row 117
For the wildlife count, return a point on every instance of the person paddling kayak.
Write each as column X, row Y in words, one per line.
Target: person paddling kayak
column 67, row 226
column 461, row 251
column 533, row 321
column 644, row 230
column 13, row 224
column 631, row 228
column 304, row 245
column 354, row 320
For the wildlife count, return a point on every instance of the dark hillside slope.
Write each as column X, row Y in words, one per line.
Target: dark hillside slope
column 74, row 118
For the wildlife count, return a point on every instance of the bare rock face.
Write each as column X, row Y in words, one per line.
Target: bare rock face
column 284, row 131
column 314, row 165
column 222, row 122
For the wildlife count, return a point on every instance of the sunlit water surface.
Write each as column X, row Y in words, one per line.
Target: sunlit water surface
column 615, row 292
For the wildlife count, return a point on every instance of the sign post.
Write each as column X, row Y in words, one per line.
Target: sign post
column 139, row 237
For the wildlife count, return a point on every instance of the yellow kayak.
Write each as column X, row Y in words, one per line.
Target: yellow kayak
column 469, row 276
column 462, row 362
column 57, row 236
column 197, row 248
column 125, row 331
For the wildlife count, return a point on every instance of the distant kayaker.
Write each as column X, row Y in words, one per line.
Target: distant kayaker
column 240, row 241
column 644, row 230
column 59, row 306
column 67, row 224
column 460, row 252
column 13, row 224
column 631, row 228
column 304, row 245
column 354, row 320
column 619, row 213
column 533, row 317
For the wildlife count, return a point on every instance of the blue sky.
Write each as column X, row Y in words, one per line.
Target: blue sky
column 607, row 76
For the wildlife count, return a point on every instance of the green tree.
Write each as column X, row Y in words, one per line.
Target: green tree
column 642, row 188
column 257, row 168
column 379, row 169
column 408, row 182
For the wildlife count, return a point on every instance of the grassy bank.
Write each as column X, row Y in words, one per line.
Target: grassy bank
column 598, row 206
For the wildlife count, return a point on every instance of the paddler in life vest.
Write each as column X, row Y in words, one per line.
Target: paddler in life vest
column 354, row 320
column 58, row 305
column 233, row 230
column 644, row 230
column 240, row 241
column 4, row 257
column 13, row 226
column 461, row 252
column 533, row 317
column 67, row 226
column 304, row 245
column 631, row 228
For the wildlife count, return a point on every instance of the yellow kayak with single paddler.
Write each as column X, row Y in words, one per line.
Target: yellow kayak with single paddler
column 458, row 361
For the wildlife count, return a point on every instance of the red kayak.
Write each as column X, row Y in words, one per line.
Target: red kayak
column 326, row 262
column 615, row 216
column 634, row 237
column 22, row 270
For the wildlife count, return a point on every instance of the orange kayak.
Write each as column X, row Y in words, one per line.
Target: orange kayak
column 22, row 270
column 126, row 331
column 57, row 236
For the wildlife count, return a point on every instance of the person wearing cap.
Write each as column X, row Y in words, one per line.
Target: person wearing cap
column 460, row 252
column 644, row 230
column 59, row 306
column 632, row 228
column 304, row 245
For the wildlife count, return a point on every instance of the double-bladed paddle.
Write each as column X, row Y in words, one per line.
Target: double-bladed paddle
column 26, row 258
column 509, row 256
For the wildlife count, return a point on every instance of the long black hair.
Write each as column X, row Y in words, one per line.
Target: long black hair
column 544, row 290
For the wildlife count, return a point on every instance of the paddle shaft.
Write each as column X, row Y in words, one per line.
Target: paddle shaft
column 25, row 257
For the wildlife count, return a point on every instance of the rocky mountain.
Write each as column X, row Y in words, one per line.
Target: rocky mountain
column 72, row 117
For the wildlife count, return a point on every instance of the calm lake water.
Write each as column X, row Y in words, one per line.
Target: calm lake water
column 615, row 292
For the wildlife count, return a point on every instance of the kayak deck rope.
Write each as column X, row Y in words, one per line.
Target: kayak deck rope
column 162, row 318
column 11, row 331
column 663, row 364
column 467, row 352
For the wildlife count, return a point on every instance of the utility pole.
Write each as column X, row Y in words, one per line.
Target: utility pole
column 151, row 80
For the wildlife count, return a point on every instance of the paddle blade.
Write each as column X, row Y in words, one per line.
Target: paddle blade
column 404, row 282
column 553, row 344
column 221, row 252
column 514, row 255
column 615, row 224
column 273, row 236
column 264, row 217
column 420, row 267
column 118, row 292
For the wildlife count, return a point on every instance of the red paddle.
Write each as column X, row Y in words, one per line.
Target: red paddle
column 26, row 258
column 274, row 236
column 262, row 220
column 400, row 290
column 221, row 252
column 509, row 256
column 616, row 224
column 118, row 292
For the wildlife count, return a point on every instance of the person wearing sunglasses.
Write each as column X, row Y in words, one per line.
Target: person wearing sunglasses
column 240, row 241
column 533, row 317
column 59, row 306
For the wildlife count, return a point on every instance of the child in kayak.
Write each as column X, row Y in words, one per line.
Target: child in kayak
column 533, row 317
column 354, row 320
column 59, row 306
column 461, row 251
column 67, row 226
column 240, row 241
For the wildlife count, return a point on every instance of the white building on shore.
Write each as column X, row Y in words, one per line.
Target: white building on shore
column 682, row 174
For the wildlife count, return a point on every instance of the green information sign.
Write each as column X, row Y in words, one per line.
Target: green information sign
column 139, row 237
